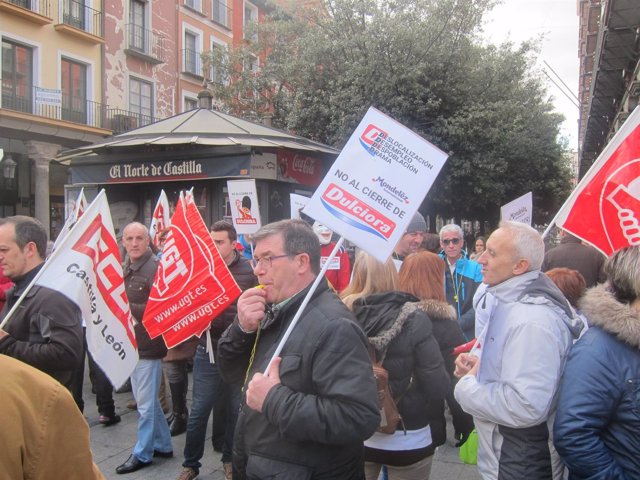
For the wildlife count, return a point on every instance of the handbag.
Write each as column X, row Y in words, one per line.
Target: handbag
column 469, row 450
column 389, row 414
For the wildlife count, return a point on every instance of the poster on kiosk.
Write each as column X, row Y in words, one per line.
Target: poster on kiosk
column 376, row 184
column 245, row 211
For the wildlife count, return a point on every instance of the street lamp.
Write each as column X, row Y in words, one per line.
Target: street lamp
column 8, row 167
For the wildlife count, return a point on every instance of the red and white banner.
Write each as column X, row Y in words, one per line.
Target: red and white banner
column 86, row 268
column 77, row 210
column 604, row 209
column 193, row 284
column 160, row 220
column 245, row 211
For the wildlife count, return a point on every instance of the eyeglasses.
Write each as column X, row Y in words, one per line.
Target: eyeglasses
column 455, row 241
column 266, row 262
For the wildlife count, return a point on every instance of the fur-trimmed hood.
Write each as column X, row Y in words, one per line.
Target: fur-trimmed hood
column 604, row 311
column 382, row 316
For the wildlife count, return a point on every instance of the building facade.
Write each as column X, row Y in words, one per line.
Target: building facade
column 609, row 50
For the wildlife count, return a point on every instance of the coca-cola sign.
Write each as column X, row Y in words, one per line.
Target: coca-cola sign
column 299, row 168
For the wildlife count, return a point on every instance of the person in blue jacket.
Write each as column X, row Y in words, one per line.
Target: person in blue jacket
column 462, row 277
column 597, row 423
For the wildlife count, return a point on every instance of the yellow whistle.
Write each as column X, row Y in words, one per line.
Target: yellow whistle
column 259, row 286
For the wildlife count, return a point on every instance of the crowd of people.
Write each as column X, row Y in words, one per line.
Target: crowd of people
column 549, row 378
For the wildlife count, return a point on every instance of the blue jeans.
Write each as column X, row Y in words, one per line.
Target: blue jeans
column 208, row 388
column 153, row 430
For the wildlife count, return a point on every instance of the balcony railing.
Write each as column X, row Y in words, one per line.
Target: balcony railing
column 145, row 43
column 53, row 104
column 192, row 62
column 78, row 15
column 41, row 7
column 222, row 14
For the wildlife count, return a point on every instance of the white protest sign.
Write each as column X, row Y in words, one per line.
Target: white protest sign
column 376, row 184
column 518, row 210
column 298, row 202
column 245, row 211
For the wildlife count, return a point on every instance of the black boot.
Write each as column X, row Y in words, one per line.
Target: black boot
column 180, row 415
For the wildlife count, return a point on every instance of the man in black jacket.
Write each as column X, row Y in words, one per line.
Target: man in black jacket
column 209, row 390
column 45, row 331
column 154, row 438
column 571, row 253
column 308, row 416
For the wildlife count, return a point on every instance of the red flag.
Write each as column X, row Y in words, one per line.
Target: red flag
column 604, row 209
column 193, row 284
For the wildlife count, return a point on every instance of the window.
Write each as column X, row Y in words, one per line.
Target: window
column 74, row 13
column 194, row 4
column 141, row 99
column 190, row 104
column 137, row 19
column 17, row 77
column 218, row 52
column 191, row 54
column 250, row 17
column 74, row 91
column 221, row 12
column 251, row 64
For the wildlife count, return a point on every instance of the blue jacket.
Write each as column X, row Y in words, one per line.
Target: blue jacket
column 467, row 277
column 598, row 416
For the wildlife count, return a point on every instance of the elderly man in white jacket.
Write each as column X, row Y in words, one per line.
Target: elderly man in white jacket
column 509, row 384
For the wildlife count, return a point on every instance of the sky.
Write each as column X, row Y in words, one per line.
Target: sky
column 557, row 21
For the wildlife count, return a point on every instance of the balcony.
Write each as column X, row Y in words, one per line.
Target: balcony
column 145, row 44
column 81, row 21
column 37, row 11
column 222, row 14
column 53, row 104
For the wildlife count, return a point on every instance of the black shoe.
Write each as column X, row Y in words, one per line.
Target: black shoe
column 107, row 420
column 126, row 387
column 131, row 465
column 158, row 453
column 179, row 424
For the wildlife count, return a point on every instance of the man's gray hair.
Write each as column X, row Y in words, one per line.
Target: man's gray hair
column 298, row 237
column 452, row 228
column 527, row 243
column 623, row 273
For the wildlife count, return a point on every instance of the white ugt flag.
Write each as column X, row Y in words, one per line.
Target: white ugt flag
column 160, row 220
column 86, row 268
column 78, row 210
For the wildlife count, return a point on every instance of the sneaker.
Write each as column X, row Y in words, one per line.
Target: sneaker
column 107, row 420
column 188, row 473
column 228, row 471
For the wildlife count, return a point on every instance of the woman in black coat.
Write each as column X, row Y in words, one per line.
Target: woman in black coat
column 401, row 334
column 422, row 275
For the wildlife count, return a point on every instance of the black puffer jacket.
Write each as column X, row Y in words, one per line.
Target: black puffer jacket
column 313, row 424
column 138, row 279
column 394, row 321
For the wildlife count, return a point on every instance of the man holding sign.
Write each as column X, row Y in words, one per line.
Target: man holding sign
column 308, row 416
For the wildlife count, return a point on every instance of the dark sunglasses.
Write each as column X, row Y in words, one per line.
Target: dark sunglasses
column 455, row 241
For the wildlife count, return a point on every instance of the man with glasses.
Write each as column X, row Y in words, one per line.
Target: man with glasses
column 308, row 416
column 462, row 277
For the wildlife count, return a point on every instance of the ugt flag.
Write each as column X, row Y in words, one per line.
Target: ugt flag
column 86, row 268
column 160, row 220
column 193, row 284
column 604, row 209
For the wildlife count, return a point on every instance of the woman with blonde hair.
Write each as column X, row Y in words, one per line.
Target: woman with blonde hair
column 422, row 275
column 401, row 336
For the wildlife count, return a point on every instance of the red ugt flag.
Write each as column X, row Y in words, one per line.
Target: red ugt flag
column 193, row 284
column 604, row 209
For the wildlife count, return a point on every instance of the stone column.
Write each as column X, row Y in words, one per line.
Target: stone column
column 42, row 153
